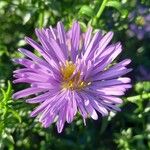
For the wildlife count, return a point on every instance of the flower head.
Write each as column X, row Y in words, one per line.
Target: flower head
column 140, row 22
column 73, row 75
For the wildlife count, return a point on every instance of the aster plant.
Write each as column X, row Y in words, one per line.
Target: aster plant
column 140, row 22
column 72, row 75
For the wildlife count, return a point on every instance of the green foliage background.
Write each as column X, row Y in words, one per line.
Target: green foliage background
column 125, row 130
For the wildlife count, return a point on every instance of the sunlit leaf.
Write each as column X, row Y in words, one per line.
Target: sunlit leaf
column 26, row 18
column 87, row 11
column 114, row 3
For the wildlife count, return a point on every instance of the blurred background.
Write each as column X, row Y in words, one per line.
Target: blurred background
column 125, row 130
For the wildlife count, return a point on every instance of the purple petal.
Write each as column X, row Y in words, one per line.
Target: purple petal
column 94, row 41
column 111, row 99
column 75, row 40
column 62, row 38
column 103, row 43
column 27, row 92
column 61, row 119
column 87, row 39
column 41, row 98
column 111, row 74
column 89, row 108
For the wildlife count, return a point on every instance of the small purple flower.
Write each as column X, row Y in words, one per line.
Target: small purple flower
column 140, row 23
column 73, row 75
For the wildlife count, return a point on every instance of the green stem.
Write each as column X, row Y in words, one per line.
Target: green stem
column 41, row 18
column 100, row 11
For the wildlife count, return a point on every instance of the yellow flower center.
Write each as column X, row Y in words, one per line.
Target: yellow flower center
column 140, row 21
column 69, row 79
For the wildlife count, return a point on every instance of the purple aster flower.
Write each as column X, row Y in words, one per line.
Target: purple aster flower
column 140, row 23
column 73, row 75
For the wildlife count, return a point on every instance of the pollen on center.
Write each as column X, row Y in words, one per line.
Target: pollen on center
column 71, row 78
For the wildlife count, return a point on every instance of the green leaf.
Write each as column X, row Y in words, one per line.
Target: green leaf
column 83, row 26
column 115, row 4
column 10, row 139
column 9, row 89
column 7, row 94
column 136, row 98
column 26, row 18
column 87, row 11
column 124, row 13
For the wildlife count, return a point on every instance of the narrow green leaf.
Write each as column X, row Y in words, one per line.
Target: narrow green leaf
column 8, row 92
column 4, row 95
column 15, row 114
